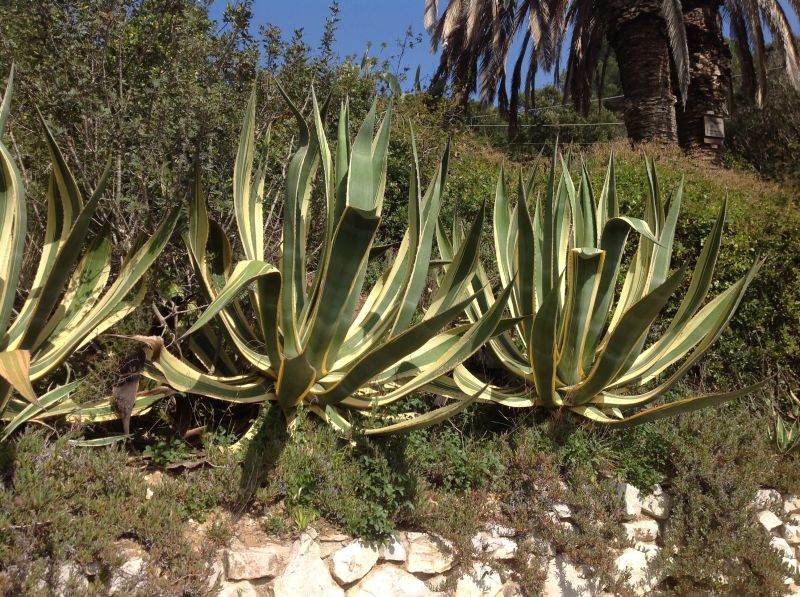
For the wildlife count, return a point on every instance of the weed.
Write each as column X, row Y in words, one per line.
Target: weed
column 714, row 544
column 63, row 503
column 167, row 451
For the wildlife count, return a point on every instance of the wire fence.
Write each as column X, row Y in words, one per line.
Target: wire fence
column 532, row 111
column 523, row 126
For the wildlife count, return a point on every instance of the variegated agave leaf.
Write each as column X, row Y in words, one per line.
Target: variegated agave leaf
column 70, row 300
column 581, row 345
column 332, row 345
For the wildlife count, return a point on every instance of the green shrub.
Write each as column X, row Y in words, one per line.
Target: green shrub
column 362, row 488
column 63, row 503
column 718, row 461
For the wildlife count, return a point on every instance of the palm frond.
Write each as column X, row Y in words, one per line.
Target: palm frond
column 431, row 14
column 672, row 13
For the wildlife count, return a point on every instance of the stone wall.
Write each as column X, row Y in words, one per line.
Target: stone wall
column 419, row 564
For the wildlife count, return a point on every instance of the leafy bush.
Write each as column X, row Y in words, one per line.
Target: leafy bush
column 362, row 488
column 718, row 461
column 62, row 503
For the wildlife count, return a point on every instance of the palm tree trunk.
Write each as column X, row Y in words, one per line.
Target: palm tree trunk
column 636, row 32
column 710, row 72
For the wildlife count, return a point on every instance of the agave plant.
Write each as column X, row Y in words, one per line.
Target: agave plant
column 580, row 345
column 330, row 345
column 786, row 432
column 70, row 301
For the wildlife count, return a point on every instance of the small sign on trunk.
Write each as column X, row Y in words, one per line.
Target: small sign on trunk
column 714, row 129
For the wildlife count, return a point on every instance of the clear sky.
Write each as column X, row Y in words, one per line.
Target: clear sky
column 361, row 22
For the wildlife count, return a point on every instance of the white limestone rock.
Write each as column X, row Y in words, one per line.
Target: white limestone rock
column 565, row 579
column 216, row 573
column 328, row 548
column 393, row 551
column 657, row 504
column 791, row 532
column 510, row 589
column 305, row 573
column 387, row 580
column 496, row 548
column 630, row 498
column 247, row 563
column 634, row 563
column 479, row 581
column 791, row 504
column 563, row 511
column 70, row 580
column 768, row 520
column 334, row 537
column 792, row 589
column 436, row 583
column 539, row 545
column 649, row 550
column 766, row 498
column 245, row 588
column 564, row 524
column 331, row 543
column 353, row 562
column 782, row 547
column 786, row 552
column 498, row 530
column 126, row 577
column 428, row 554
column 793, row 564
column 641, row 530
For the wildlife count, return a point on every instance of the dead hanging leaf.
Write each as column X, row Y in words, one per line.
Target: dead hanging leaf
column 194, row 432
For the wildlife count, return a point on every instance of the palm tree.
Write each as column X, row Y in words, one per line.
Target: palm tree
column 649, row 42
column 673, row 59
column 476, row 38
column 710, row 58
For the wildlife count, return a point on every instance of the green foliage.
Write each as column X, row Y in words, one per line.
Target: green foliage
column 766, row 138
column 641, row 455
column 62, row 503
column 548, row 119
column 718, row 461
column 362, row 488
column 167, row 451
column 450, row 461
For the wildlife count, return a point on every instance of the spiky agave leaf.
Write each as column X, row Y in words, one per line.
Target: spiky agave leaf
column 69, row 302
column 331, row 345
column 583, row 350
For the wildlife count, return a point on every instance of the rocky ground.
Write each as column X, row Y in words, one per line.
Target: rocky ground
column 419, row 564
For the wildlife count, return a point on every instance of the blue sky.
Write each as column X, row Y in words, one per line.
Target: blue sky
column 361, row 22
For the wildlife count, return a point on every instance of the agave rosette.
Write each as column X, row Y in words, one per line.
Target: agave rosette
column 581, row 343
column 70, row 301
column 331, row 345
